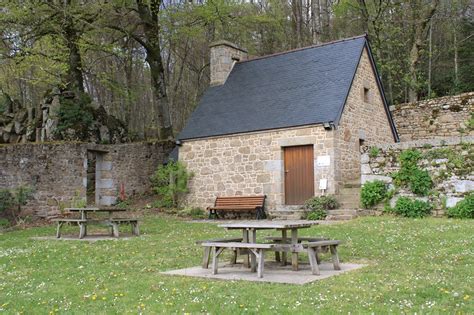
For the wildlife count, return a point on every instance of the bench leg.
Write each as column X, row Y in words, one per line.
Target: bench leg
column 253, row 258
column 313, row 261
column 233, row 259
column 205, row 257
column 284, row 240
column 216, row 251
column 261, row 263
column 335, row 257
column 135, row 230
column 115, row 229
column 58, row 229
column 277, row 257
column 82, row 229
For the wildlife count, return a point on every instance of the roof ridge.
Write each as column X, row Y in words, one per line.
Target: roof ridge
column 303, row 48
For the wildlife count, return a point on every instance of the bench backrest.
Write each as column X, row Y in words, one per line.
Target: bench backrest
column 247, row 201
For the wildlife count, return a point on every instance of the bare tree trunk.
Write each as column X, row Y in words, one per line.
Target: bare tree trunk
column 422, row 22
column 149, row 14
column 315, row 21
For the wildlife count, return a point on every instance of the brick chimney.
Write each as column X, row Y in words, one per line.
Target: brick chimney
column 224, row 55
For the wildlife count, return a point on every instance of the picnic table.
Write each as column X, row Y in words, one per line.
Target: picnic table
column 249, row 235
column 84, row 220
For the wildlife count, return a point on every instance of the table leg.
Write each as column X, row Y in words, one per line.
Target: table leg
column 294, row 255
column 253, row 257
column 245, row 236
column 283, row 241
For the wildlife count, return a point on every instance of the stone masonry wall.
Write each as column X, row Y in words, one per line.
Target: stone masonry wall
column 57, row 172
column 251, row 164
column 434, row 118
column 361, row 119
column 449, row 161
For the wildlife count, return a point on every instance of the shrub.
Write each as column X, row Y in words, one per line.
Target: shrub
column 195, row 213
column 170, row 181
column 75, row 114
column 321, row 203
column 420, row 182
column 4, row 223
column 374, row 152
column 464, row 209
column 411, row 175
column 6, row 199
column 316, row 215
column 409, row 208
column 373, row 193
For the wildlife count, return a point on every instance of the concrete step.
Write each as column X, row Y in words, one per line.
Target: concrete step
column 286, row 214
column 340, row 217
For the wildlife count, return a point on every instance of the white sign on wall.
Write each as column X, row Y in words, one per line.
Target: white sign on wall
column 323, row 183
column 323, row 160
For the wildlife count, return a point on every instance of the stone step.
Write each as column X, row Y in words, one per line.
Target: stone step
column 348, row 198
column 286, row 214
column 352, row 184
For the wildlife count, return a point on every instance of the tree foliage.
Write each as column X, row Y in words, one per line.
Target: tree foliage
column 147, row 61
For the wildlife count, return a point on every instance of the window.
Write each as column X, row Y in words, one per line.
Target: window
column 366, row 95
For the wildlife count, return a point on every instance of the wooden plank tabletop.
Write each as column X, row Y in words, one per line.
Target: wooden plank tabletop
column 96, row 209
column 261, row 224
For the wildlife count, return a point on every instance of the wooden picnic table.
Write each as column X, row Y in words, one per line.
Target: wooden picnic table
column 111, row 221
column 249, row 234
column 83, row 211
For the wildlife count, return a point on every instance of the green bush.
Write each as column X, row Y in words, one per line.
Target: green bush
column 195, row 213
column 411, row 175
column 420, row 182
column 464, row 209
column 4, row 223
column 321, row 203
column 75, row 114
column 409, row 208
column 6, row 199
column 373, row 193
column 170, row 181
column 374, row 152
column 316, row 215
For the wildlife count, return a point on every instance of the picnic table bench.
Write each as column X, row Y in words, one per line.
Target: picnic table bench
column 239, row 203
column 83, row 221
column 257, row 249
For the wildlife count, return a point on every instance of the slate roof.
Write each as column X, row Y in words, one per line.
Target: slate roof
column 301, row 87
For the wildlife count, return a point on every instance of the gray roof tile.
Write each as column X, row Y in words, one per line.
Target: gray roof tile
column 301, row 87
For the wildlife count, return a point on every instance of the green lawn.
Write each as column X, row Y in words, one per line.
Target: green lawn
column 424, row 265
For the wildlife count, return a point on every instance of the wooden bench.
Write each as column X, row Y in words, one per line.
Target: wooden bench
column 61, row 221
column 207, row 250
column 115, row 222
column 314, row 247
column 239, row 203
column 279, row 240
column 257, row 249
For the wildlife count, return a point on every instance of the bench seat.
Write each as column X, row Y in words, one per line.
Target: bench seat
column 61, row 221
column 207, row 250
column 255, row 248
column 239, row 203
column 312, row 249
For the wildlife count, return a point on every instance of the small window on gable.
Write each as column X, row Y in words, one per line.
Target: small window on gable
column 366, row 95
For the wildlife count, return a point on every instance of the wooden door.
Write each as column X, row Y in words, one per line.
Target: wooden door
column 299, row 174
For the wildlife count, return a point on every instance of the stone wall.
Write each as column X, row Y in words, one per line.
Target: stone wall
column 57, row 172
column 434, row 118
column 449, row 161
column 364, row 118
column 251, row 164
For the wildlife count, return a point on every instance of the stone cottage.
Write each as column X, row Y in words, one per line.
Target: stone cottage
column 288, row 125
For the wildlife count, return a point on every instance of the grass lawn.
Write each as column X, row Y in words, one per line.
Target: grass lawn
column 424, row 265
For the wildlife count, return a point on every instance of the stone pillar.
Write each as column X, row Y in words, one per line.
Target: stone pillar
column 224, row 55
